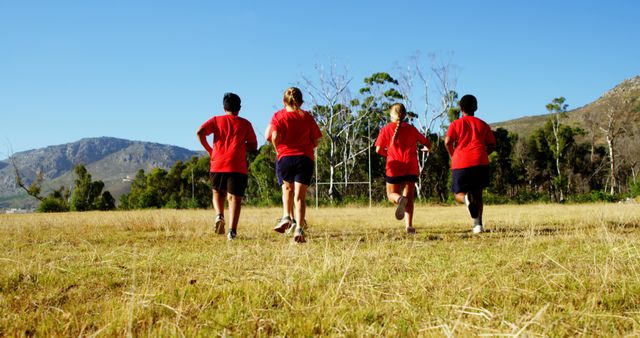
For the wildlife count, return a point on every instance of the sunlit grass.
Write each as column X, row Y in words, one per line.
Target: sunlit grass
column 540, row 270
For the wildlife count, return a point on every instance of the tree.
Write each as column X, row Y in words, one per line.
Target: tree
column 618, row 122
column 501, row 162
column 438, row 100
column 35, row 188
column 263, row 184
column 558, row 108
column 86, row 193
column 346, row 122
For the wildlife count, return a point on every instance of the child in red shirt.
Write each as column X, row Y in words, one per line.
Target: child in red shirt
column 295, row 134
column 397, row 142
column 232, row 137
column 474, row 141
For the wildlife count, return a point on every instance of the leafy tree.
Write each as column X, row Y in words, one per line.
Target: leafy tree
column 501, row 162
column 106, row 202
column 86, row 193
column 263, row 185
column 56, row 201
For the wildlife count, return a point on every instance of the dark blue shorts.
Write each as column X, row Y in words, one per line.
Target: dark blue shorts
column 297, row 168
column 400, row 179
column 470, row 179
column 233, row 183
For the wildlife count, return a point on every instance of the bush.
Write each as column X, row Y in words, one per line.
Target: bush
column 593, row 196
column 52, row 204
column 634, row 188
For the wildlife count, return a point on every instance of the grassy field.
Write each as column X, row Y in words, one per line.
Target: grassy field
column 541, row 270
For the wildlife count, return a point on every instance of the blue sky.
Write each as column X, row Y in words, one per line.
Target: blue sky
column 155, row 70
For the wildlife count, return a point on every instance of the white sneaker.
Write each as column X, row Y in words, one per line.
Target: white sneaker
column 220, row 224
column 477, row 229
column 292, row 228
column 283, row 224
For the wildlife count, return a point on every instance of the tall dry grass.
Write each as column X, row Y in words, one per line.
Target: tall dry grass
column 542, row 270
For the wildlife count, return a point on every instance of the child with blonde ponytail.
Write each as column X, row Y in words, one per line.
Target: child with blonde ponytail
column 398, row 141
column 295, row 134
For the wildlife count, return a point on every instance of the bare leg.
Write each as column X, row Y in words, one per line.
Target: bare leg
column 287, row 199
column 477, row 202
column 394, row 192
column 478, row 199
column 459, row 197
column 218, row 201
column 235, row 203
column 300, row 196
column 408, row 192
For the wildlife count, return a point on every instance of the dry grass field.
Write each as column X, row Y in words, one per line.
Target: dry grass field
column 541, row 270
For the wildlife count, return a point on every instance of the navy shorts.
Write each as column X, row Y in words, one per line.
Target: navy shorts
column 400, row 179
column 233, row 183
column 470, row 179
column 297, row 168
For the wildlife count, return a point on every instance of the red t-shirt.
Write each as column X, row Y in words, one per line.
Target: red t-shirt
column 402, row 157
column 471, row 136
column 232, row 135
column 297, row 133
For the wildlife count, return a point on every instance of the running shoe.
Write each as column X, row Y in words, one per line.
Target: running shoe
column 477, row 229
column 292, row 228
column 298, row 235
column 411, row 230
column 219, row 224
column 231, row 235
column 402, row 204
column 283, row 224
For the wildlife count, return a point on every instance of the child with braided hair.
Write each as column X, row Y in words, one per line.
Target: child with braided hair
column 397, row 142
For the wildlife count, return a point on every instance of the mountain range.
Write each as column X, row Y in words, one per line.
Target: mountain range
column 590, row 116
column 111, row 160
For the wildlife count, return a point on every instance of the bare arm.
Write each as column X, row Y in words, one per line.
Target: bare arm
column 252, row 142
column 202, row 136
column 426, row 145
column 275, row 138
column 448, row 143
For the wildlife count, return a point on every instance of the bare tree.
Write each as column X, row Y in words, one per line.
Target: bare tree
column 436, row 84
column 616, row 124
column 35, row 188
column 342, row 118
column 329, row 98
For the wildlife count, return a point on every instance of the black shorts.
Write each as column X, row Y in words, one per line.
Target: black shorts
column 233, row 183
column 294, row 169
column 470, row 179
column 400, row 179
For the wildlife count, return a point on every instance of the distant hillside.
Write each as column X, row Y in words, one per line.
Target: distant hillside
column 587, row 116
column 108, row 159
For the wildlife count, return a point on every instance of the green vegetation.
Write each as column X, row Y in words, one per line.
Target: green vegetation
column 552, row 163
column 542, row 270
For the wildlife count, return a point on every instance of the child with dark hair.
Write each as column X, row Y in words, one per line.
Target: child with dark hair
column 232, row 137
column 294, row 133
column 469, row 142
column 397, row 141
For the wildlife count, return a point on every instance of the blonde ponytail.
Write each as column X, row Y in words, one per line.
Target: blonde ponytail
column 293, row 99
column 400, row 112
column 395, row 132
